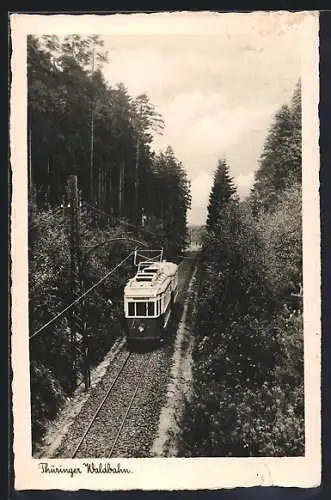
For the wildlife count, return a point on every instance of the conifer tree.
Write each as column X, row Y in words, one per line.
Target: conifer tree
column 248, row 350
column 222, row 191
column 296, row 144
column 79, row 123
column 280, row 161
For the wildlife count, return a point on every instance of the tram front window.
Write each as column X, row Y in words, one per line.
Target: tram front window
column 131, row 308
column 140, row 308
column 150, row 307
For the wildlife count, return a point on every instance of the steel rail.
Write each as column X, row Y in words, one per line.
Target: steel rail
column 100, row 406
column 124, row 419
column 142, row 377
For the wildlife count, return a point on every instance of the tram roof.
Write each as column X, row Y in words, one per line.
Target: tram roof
column 151, row 279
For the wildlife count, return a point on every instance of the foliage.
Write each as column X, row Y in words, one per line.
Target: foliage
column 248, row 394
column 281, row 232
column 79, row 123
column 47, row 395
column 222, row 191
column 50, row 293
column 196, row 234
column 280, row 161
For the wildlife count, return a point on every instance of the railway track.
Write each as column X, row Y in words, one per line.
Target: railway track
column 103, row 432
column 117, row 418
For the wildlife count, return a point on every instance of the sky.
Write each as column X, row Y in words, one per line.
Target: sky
column 217, row 88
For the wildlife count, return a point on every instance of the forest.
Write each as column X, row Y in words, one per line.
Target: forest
column 247, row 397
column 79, row 124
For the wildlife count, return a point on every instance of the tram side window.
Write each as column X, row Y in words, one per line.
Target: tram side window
column 140, row 308
column 131, row 308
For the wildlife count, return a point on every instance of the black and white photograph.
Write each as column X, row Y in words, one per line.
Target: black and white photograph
column 165, row 250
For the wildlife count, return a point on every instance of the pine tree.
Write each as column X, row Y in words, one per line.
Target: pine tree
column 296, row 146
column 280, row 161
column 222, row 191
column 172, row 199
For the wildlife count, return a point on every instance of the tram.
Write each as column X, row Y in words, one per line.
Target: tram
column 149, row 298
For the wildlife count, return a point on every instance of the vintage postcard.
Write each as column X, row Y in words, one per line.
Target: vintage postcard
column 165, row 250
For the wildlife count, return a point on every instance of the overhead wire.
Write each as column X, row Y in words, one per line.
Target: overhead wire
column 79, row 298
column 45, row 219
column 122, row 221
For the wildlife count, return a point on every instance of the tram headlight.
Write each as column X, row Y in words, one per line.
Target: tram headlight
column 141, row 328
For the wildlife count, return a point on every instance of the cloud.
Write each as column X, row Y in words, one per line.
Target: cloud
column 200, row 190
column 165, row 66
column 144, row 69
column 216, row 92
column 244, row 184
column 201, row 130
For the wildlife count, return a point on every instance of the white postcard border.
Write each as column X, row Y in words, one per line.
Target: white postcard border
column 163, row 473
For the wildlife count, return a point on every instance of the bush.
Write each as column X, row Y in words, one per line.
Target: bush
column 50, row 293
column 281, row 234
column 248, row 401
column 47, row 397
column 248, row 392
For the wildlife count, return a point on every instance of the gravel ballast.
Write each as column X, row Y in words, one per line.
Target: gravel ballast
column 151, row 369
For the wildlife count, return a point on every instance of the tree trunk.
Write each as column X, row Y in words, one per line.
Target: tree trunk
column 92, row 157
column 121, row 189
column 30, row 187
column 137, row 208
